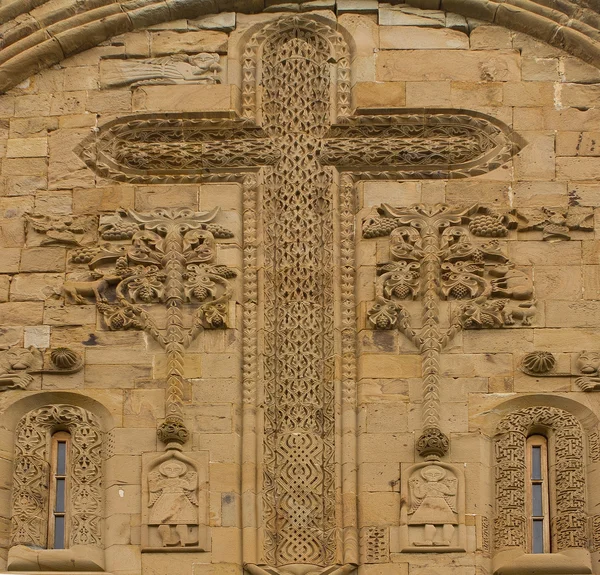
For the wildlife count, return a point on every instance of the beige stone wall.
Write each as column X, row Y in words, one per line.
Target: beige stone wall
column 403, row 58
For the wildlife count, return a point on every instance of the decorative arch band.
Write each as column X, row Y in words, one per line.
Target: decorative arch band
column 569, row 523
column 34, row 40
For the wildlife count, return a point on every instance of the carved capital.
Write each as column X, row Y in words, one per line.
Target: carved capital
column 433, row 443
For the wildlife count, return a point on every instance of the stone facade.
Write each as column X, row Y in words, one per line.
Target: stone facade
column 298, row 281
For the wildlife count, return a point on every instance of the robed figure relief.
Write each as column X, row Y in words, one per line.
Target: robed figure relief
column 432, row 513
column 433, row 499
column 173, row 502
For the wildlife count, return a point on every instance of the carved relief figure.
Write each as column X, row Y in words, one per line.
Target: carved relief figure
column 15, row 365
column 66, row 230
column 433, row 499
column 200, row 68
column 556, row 223
column 18, row 364
column 588, row 363
column 173, row 502
column 432, row 509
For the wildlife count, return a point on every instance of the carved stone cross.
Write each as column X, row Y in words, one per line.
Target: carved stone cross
column 295, row 146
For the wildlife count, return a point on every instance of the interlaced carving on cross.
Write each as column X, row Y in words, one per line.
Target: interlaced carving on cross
column 297, row 144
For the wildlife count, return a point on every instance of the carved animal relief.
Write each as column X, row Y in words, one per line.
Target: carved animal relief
column 432, row 516
column 203, row 68
column 555, row 223
column 18, row 365
column 586, row 372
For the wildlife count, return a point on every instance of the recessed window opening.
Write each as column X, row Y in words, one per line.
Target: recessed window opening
column 538, row 504
column 59, row 491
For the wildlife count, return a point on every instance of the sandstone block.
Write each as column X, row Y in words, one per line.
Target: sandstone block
column 529, row 94
column 491, row 38
column 406, row 16
column 540, row 194
column 411, row 37
column 389, row 366
column 379, row 94
column 109, row 199
column 427, row 93
column 171, row 42
column 105, row 376
column 380, row 508
column 27, row 148
column 35, row 287
column 537, row 161
column 572, row 314
column 9, row 260
column 21, row 313
column 441, row 65
column 543, row 253
column 224, row 22
column 47, row 259
column 578, row 95
column 386, row 447
column 577, row 144
column 148, row 198
column 192, row 98
column 581, row 169
column 38, row 336
column 66, row 169
column 4, row 287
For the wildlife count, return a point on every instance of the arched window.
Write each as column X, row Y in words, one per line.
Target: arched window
column 540, row 522
column 538, row 494
column 57, row 495
column 59, row 490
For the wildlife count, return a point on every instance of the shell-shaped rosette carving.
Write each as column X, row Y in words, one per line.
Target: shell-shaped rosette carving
column 539, row 362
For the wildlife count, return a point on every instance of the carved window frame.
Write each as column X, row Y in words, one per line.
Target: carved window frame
column 31, row 491
column 567, row 476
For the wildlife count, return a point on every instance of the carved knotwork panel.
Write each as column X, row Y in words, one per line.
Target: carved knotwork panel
column 569, row 519
column 29, row 522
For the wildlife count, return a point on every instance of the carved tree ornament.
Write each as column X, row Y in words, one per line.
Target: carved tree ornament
column 167, row 257
column 30, row 494
column 567, row 476
column 441, row 252
column 297, row 63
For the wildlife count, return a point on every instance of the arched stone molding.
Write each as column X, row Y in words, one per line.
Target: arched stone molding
column 30, row 491
column 15, row 409
column 568, row 480
column 54, row 31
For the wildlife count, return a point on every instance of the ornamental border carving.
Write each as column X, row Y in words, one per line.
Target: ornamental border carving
column 29, row 521
column 569, row 523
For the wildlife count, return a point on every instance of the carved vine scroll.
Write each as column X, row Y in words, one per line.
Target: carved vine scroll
column 569, row 521
column 29, row 522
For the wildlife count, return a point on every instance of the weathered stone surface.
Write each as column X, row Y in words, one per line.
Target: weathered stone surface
column 438, row 65
column 407, row 37
column 186, row 98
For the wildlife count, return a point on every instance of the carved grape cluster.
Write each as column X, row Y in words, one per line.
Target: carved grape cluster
column 379, row 227
column 488, row 226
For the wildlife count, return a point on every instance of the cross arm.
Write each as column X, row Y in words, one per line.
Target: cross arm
column 154, row 148
column 420, row 144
